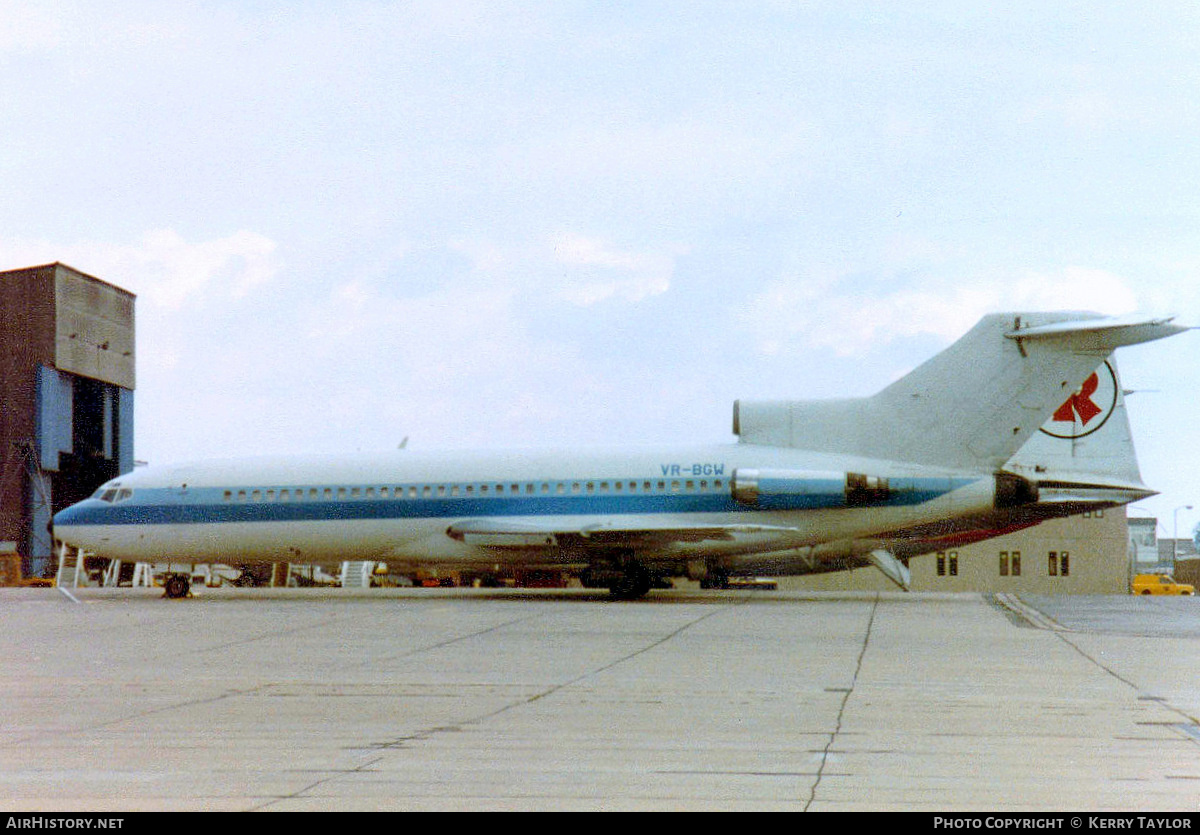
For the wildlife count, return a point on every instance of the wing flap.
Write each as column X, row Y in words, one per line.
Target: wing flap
column 504, row 533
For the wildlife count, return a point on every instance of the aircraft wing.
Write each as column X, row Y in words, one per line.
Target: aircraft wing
column 550, row 533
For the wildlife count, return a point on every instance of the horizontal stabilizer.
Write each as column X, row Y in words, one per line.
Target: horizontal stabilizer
column 1103, row 335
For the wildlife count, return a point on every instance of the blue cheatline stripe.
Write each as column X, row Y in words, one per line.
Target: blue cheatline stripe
column 208, row 505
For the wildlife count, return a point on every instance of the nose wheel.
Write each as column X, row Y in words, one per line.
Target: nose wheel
column 177, row 586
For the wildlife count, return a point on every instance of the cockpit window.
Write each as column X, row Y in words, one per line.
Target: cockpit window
column 112, row 493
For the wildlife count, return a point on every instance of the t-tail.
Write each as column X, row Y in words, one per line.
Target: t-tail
column 976, row 404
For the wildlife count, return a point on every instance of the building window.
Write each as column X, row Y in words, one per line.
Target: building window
column 1004, row 563
column 953, row 563
column 1052, row 564
column 1016, row 563
column 1064, row 564
column 941, row 564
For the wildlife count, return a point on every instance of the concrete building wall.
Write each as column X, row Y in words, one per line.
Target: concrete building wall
column 67, row 371
column 94, row 329
column 26, row 342
column 1097, row 562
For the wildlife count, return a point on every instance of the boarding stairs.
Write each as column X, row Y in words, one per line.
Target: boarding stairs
column 357, row 575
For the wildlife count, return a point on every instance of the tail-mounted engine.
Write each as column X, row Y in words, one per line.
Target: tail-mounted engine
column 799, row 489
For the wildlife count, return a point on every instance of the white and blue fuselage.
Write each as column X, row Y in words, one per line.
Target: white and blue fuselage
column 528, row 506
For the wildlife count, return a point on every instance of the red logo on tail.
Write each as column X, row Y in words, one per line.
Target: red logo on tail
column 1088, row 409
column 1080, row 403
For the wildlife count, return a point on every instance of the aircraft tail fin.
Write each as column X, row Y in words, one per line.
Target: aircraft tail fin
column 972, row 406
column 1085, row 450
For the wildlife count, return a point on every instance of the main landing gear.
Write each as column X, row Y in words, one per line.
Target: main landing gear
column 624, row 577
column 632, row 583
column 717, row 578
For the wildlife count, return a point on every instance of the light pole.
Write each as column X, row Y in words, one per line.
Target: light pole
column 1175, row 533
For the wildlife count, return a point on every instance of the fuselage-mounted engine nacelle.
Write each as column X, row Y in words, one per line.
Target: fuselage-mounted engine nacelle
column 770, row 489
column 808, row 489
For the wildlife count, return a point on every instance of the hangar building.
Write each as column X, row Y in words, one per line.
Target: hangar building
column 66, row 399
column 1084, row 554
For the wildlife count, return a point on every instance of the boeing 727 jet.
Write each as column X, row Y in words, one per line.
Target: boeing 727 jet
column 1020, row 421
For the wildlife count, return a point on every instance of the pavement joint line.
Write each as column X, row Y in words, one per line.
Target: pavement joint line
column 1027, row 612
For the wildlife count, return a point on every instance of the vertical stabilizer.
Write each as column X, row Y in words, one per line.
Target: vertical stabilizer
column 970, row 407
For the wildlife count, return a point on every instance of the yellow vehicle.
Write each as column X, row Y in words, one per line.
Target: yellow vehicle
column 1160, row 584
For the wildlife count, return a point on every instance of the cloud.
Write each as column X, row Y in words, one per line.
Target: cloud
column 832, row 312
column 28, row 27
column 594, row 272
column 162, row 268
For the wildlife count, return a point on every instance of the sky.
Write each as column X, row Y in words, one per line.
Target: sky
column 479, row 224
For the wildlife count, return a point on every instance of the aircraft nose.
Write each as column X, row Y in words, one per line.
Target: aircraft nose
column 68, row 517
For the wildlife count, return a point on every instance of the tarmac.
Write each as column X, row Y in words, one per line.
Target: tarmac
column 470, row 699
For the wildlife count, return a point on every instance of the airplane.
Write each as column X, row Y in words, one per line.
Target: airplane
column 1021, row 420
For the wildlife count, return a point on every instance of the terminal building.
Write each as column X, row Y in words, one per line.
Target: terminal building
column 67, row 376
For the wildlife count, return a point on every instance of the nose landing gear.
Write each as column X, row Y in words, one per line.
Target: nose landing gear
column 176, row 586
